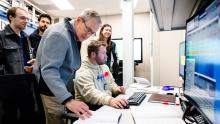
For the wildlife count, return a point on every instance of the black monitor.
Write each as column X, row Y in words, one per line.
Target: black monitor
column 202, row 67
column 181, row 59
column 20, row 91
column 138, row 53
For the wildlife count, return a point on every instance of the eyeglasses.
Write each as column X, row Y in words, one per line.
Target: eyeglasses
column 23, row 18
column 88, row 29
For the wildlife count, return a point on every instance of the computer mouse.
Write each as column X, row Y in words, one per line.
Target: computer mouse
column 169, row 93
column 127, row 106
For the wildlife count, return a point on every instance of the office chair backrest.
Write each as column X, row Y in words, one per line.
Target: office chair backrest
column 20, row 91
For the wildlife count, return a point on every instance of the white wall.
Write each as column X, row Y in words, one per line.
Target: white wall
column 166, row 56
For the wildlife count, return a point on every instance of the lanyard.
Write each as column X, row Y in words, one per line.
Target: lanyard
column 102, row 77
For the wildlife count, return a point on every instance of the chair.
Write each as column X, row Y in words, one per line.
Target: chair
column 20, row 101
column 68, row 116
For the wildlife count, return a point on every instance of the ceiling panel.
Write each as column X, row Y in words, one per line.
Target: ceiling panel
column 103, row 7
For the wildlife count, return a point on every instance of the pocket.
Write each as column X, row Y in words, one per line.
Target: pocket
column 12, row 54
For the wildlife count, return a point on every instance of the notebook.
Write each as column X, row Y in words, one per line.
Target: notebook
column 102, row 117
column 162, row 98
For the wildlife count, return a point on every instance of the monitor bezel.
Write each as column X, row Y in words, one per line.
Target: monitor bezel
column 141, row 39
column 183, row 42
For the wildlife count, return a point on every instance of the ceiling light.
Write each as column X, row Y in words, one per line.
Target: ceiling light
column 63, row 4
column 134, row 3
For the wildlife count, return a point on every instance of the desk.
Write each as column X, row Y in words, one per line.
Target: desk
column 148, row 113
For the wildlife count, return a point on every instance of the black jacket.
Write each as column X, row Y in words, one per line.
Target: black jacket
column 11, row 54
column 114, row 68
column 35, row 40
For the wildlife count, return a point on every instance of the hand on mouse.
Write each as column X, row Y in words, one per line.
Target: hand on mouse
column 118, row 102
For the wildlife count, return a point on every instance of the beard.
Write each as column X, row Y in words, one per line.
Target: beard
column 99, row 61
column 42, row 29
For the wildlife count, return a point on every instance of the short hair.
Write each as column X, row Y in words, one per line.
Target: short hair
column 44, row 16
column 12, row 12
column 94, row 47
column 87, row 14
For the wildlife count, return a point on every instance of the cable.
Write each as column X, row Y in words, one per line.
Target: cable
column 132, row 116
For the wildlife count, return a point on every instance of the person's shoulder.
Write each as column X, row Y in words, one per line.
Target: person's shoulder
column 2, row 31
column 113, row 43
column 34, row 33
column 105, row 67
column 83, row 72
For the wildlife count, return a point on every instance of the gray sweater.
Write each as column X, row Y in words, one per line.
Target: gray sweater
column 58, row 56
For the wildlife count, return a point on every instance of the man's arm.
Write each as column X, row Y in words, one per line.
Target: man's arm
column 52, row 58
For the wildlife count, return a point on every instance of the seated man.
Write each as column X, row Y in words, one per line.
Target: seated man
column 94, row 83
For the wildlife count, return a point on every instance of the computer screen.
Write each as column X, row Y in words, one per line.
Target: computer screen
column 181, row 59
column 202, row 71
column 138, row 55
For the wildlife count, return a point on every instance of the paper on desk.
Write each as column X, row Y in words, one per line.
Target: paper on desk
column 159, row 121
column 101, row 117
column 139, row 86
column 156, row 113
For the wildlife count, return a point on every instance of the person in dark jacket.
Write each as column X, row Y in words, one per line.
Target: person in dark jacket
column 44, row 21
column 15, row 50
column 15, row 58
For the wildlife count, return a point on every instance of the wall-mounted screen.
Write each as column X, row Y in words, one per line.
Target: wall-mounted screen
column 138, row 54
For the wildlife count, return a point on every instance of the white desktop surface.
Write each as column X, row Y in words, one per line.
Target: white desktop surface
column 146, row 112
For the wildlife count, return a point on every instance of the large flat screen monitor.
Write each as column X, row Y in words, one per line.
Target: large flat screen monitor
column 138, row 55
column 181, row 59
column 202, row 67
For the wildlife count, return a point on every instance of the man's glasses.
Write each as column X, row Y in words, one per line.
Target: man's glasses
column 23, row 18
column 88, row 29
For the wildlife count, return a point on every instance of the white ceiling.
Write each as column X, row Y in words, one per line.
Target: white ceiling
column 103, row 7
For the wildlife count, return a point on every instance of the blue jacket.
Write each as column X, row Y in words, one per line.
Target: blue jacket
column 59, row 57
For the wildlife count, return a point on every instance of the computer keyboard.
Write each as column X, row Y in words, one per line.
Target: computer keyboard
column 136, row 98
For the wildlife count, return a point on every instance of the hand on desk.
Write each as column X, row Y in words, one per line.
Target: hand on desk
column 79, row 108
column 118, row 102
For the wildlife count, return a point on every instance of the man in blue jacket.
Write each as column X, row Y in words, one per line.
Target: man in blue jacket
column 57, row 60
